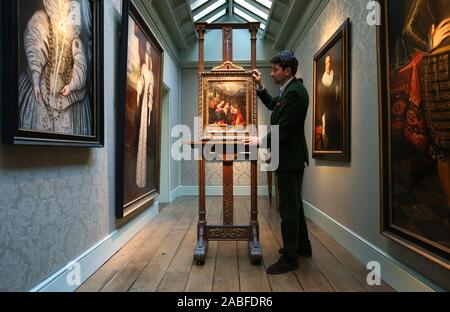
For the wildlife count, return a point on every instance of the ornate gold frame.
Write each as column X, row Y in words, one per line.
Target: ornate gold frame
column 220, row 75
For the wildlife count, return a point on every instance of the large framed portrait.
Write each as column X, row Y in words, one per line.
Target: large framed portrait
column 52, row 72
column 227, row 105
column 414, row 79
column 138, row 122
column 331, row 111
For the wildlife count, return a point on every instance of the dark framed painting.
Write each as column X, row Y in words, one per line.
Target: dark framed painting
column 52, row 72
column 138, row 121
column 414, row 81
column 331, row 111
column 227, row 104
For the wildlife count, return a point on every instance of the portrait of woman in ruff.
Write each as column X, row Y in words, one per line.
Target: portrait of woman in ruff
column 52, row 80
column 331, row 110
column 329, row 107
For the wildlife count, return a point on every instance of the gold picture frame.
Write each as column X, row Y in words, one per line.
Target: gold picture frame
column 227, row 105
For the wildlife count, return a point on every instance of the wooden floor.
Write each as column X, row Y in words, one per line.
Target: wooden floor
column 160, row 257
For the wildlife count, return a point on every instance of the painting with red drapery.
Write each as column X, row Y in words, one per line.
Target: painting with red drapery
column 414, row 51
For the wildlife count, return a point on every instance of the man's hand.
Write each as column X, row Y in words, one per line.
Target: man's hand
column 258, row 78
column 253, row 141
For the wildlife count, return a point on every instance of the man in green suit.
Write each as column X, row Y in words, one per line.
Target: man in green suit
column 289, row 108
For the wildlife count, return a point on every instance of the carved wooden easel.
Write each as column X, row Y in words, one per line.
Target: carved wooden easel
column 228, row 231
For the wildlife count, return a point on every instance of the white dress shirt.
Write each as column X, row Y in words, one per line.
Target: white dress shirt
column 282, row 88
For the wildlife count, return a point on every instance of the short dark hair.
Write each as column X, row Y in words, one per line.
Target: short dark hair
column 286, row 59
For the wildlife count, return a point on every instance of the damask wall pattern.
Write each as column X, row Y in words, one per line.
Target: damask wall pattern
column 214, row 174
column 56, row 203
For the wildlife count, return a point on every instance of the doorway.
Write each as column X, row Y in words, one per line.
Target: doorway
column 165, row 147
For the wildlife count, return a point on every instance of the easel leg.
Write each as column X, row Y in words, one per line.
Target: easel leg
column 228, row 193
column 202, row 246
column 254, row 247
column 202, row 243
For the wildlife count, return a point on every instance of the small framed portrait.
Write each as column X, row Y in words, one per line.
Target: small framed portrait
column 138, row 122
column 331, row 118
column 227, row 104
column 52, row 72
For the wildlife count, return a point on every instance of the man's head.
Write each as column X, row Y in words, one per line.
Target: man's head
column 328, row 64
column 284, row 67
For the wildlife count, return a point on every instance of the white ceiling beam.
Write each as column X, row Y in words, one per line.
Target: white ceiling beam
column 288, row 11
column 177, row 25
column 269, row 20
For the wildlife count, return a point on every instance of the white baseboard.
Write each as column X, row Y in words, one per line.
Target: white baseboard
column 394, row 273
column 218, row 191
column 91, row 260
column 174, row 194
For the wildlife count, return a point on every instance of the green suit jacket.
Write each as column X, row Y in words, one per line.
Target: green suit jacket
column 289, row 113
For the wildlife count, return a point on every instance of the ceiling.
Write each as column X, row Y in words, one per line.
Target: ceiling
column 280, row 19
column 211, row 11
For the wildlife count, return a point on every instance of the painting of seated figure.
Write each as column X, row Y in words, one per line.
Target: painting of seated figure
column 227, row 102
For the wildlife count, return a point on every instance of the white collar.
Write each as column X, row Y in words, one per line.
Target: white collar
column 327, row 79
column 286, row 84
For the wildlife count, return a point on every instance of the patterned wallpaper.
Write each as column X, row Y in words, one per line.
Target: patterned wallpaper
column 214, row 173
column 56, row 203
column 350, row 193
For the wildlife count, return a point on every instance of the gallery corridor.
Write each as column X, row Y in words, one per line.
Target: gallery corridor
column 134, row 133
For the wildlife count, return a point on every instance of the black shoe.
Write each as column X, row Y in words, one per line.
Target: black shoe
column 307, row 253
column 282, row 266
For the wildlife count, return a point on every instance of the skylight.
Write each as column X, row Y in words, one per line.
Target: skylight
column 266, row 3
column 252, row 9
column 247, row 17
column 211, row 11
column 217, row 16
